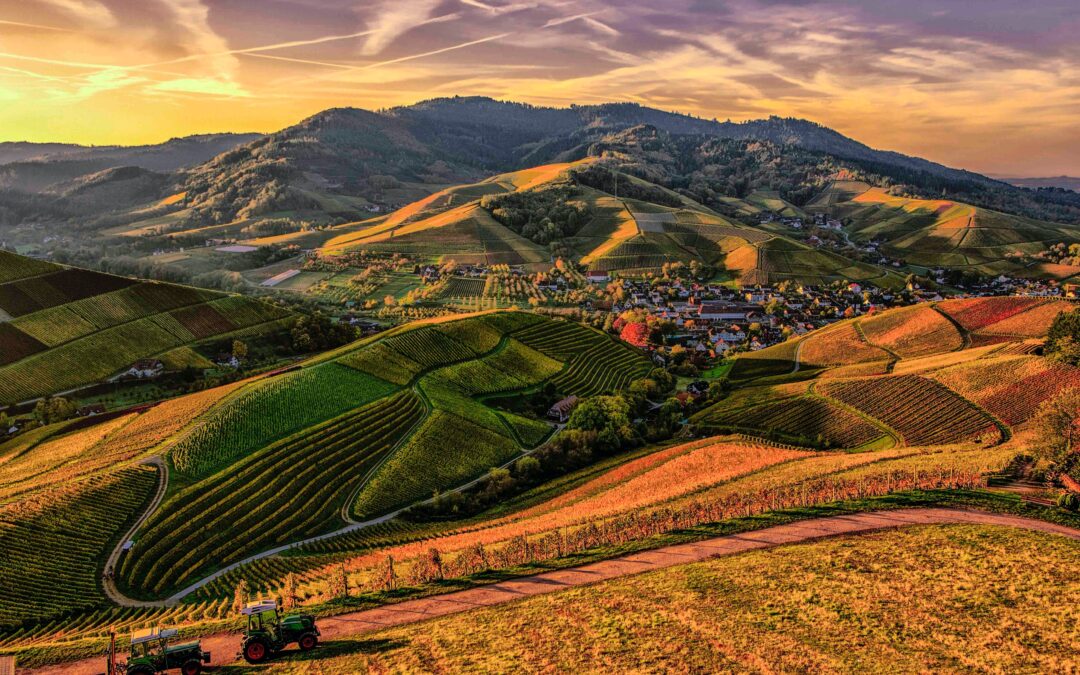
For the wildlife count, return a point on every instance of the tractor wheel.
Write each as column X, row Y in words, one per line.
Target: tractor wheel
column 256, row 651
column 308, row 641
column 192, row 667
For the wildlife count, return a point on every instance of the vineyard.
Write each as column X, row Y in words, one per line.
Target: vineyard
column 775, row 360
column 912, row 331
column 596, row 364
column 76, row 327
column 923, row 411
column 294, row 488
column 976, row 314
column 269, row 409
column 839, row 345
column 673, row 494
column 1009, row 387
column 54, row 542
column 808, row 419
column 356, row 434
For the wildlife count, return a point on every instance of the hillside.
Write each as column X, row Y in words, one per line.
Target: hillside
column 39, row 166
column 942, row 232
column 969, row 580
column 632, row 228
column 954, row 371
column 62, row 327
column 930, row 397
column 372, row 421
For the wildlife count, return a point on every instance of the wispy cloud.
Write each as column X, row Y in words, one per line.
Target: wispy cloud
column 89, row 12
column 394, row 18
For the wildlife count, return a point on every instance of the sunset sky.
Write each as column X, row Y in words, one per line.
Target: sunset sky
column 988, row 85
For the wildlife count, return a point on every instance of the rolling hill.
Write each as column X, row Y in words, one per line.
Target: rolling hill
column 62, row 328
column 379, row 424
column 943, row 232
column 630, row 235
column 929, row 397
column 950, row 372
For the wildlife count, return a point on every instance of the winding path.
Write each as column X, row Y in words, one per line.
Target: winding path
column 108, row 583
column 224, row 646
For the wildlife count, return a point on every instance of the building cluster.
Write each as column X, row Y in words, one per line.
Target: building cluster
column 715, row 320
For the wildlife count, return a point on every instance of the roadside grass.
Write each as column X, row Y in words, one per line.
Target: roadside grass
column 942, row 598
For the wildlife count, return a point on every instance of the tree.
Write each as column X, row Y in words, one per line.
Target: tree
column 50, row 410
column 289, row 596
column 1057, row 430
column 1063, row 338
column 239, row 350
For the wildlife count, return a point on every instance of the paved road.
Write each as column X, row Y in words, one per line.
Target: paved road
column 225, row 646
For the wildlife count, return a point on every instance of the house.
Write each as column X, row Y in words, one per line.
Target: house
column 597, row 277
column 560, row 412
column 144, row 369
column 698, row 389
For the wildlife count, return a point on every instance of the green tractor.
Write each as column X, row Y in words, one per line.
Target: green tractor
column 151, row 654
column 268, row 632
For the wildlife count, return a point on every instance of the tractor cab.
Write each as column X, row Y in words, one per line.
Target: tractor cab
column 267, row 632
column 151, row 653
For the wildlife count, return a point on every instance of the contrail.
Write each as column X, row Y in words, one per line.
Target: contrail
column 34, row 25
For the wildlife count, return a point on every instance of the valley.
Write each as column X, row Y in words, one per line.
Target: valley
column 758, row 378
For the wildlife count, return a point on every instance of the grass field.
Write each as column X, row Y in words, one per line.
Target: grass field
column 917, row 598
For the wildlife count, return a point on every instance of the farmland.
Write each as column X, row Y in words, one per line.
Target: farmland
column 924, row 412
column 970, row 580
column 369, row 444
column 806, row 419
column 75, row 327
column 268, row 498
column 394, row 419
column 54, row 543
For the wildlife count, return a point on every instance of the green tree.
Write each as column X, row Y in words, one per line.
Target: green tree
column 50, row 410
column 239, row 350
column 1057, row 430
column 1063, row 338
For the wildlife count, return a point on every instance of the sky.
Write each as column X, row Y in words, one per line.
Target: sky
column 987, row 85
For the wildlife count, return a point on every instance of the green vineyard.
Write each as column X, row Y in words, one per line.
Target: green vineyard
column 269, row 409
column 75, row 327
column 373, row 428
column 804, row 418
column 53, row 543
column 294, row 488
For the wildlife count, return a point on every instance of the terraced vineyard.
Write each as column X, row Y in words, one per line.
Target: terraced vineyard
column 910, row 332
column 1009, row 387
column 293, row 488
column 806, row 418
column 269, row 409
column 54, row 543
column 74, row 327
column 595, row 365
column 281, row 458
column 923, row 411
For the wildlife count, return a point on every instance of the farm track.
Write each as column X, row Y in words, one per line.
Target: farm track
column 223, row 645
column 108, row 583
column 965, row 334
